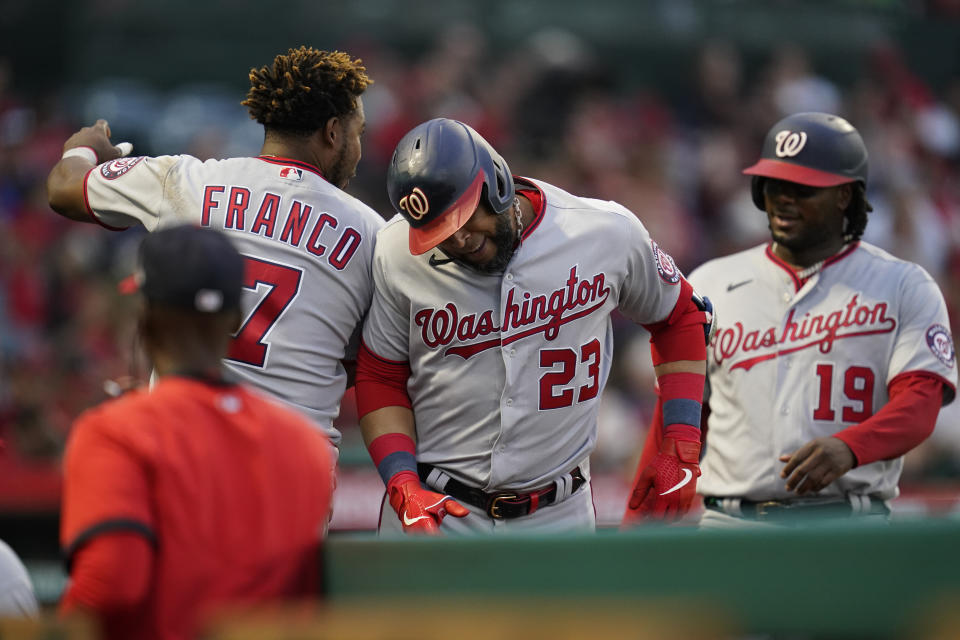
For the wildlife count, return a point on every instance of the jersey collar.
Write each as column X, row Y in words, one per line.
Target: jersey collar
column 798, row 282
column 537, row 198
column 291, row 162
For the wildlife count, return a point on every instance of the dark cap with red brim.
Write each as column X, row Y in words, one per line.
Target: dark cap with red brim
column 815, row 149
column 796, row 173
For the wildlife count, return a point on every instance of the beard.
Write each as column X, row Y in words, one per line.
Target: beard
column 339, row 174
column 505, row 239
column 804, row 238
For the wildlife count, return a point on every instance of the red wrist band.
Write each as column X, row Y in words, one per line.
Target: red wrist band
column 681, row 385
column 393, row 453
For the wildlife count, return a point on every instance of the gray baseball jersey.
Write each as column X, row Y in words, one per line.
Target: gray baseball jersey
column 507, row 369
column 17, row 599
column 308, row 247
column 793, row 361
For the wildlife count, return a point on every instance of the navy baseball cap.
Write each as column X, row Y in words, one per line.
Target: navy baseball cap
column 188, row 267
column 815, row 149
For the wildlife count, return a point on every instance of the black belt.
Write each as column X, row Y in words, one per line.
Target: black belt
column 503, row 504
column 787, row 509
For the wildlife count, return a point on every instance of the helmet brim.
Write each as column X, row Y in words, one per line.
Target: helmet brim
column 768, row 168
column 424, row 238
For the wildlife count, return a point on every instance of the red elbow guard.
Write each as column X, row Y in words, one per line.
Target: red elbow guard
column 380, row 382
column 681, row 336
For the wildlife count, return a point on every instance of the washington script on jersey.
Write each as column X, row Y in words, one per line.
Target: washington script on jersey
column 851, row 320
column 439, row 327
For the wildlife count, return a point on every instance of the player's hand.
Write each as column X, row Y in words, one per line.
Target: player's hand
column 816, row 464
column 420, row 510
column 665, row 489
column 97, row 137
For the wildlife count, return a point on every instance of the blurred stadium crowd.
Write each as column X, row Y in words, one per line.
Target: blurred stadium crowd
column 557, row 112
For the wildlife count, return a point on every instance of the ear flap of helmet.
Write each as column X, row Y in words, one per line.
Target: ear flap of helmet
column 503, row 198
column 756, row 191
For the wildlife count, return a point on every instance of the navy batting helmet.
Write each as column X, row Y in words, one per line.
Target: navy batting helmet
column 438, row 173
column 815, row 149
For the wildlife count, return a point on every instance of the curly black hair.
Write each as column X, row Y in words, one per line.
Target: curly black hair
column 304, row 88
column 856, row 213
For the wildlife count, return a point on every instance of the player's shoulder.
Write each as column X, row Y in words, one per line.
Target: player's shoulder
column 394, row 225
column 129, row 401
column 345, row 205
column 730, row 266
column 175, row 171
column 295, row 176
column 562, row 201
column 114, row 418
column 881, row 257
column 887, row 266
column 187, row 163
column 146, row 406
column 394, row 234
column 299, row 176
column 606, row 220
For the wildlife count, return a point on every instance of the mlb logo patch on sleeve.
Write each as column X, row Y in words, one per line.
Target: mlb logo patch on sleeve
column 291, row 173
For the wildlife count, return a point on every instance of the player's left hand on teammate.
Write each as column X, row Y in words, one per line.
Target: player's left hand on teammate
column 816, row 464
column 665, row 489
column 420, row 510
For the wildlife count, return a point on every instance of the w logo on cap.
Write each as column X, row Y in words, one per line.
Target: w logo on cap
column 790, row 143
column 415, row 203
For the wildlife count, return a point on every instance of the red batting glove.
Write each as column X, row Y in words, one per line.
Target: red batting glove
column 420, row 510
column 665, row 489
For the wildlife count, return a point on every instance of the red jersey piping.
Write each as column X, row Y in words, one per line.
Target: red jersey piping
column 86, row 203
column 797, row 282
column 537, row 199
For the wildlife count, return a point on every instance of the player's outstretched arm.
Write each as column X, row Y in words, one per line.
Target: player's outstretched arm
column 82, row 151
column 388, row 433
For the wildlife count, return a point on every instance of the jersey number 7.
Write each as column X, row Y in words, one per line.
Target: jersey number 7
column 249, row 346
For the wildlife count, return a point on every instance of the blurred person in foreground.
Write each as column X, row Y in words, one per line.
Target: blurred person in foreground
column 489, row 343
column 831, row 357
column 198, row 493
column 307, row 244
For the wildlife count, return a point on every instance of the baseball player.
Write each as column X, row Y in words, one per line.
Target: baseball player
column 831, row 357
column 308, row 245
column 489, row 342
column 200, row 493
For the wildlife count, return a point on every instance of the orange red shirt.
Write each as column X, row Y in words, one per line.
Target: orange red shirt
column 192, row 496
